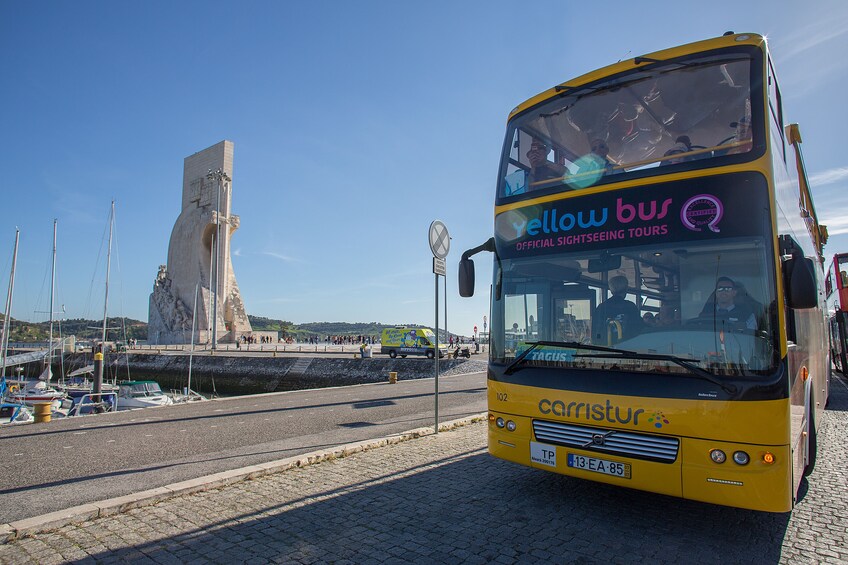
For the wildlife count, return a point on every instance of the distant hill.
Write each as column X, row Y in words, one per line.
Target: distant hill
column 320, row 329
column 136, row 329
column 83, row 329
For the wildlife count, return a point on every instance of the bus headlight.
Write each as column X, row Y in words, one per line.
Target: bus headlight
column 718, row 456
column 510, row 426
column 741, row 458
column 499, row 422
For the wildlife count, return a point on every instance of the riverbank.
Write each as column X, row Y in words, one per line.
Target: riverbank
column 261, row 373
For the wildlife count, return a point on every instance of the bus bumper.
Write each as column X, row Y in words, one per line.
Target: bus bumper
column 693, row 475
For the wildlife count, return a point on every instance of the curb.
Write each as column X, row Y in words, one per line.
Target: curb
column 103, row 508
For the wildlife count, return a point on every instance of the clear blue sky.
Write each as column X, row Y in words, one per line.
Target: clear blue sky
column 355, row 125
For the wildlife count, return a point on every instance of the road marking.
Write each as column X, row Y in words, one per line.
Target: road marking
column 67, row 447
column 110, row 441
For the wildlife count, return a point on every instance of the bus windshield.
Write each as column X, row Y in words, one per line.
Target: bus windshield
column 710, row 304
column 666, row 114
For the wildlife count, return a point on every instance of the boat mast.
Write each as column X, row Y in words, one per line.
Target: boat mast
column 52, row 292
column 193, row 325
column 108, row 267
column 100, row 362
column 5, row 340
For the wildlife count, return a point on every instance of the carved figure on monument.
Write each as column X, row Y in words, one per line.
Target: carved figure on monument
column 199, row 257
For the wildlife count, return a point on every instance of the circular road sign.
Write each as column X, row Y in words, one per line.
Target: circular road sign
column 439, row 239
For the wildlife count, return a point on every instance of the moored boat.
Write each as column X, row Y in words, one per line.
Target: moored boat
column 34, row 391
column 141, row 394
column 14, row 413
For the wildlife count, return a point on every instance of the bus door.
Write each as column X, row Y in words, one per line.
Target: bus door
column 524, row 314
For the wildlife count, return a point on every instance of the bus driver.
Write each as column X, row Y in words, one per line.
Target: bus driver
column 730, row 312
column 616, row 318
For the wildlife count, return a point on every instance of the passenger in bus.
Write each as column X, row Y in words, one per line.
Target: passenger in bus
column 742, row 139
column 600, row 149
column 542, row 169
column 616, row 318
column 730, row 311
column 681, row 145
column 668, row 315
column 592, row 166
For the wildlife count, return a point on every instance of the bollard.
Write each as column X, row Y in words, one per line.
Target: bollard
column 392, row 377
column 42, row 411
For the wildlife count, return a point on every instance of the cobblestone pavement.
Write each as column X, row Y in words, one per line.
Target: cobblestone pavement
column 442, row 499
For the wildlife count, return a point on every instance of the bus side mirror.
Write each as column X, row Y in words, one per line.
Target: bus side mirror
column 466, row 277
column 800, row 280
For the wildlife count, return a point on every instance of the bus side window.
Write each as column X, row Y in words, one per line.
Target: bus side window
column 844, row 276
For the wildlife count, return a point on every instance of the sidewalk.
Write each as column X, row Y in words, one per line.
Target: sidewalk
column 265, row 512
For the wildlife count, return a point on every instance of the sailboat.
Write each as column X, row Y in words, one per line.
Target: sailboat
column 39, row 390
column 87, row 397
column 10, row 412
column 189, row 395
column 130, row 394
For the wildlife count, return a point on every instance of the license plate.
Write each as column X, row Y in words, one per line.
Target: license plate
column 599, row 466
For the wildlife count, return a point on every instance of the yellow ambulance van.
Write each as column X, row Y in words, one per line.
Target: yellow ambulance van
column 403, row 341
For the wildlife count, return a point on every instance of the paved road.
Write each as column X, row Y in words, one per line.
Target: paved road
column 48, row 467
column 442, row 499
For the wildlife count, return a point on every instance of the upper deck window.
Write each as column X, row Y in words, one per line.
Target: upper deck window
column 677, row 113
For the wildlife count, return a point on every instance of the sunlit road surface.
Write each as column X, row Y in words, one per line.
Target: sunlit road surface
column 65, row 463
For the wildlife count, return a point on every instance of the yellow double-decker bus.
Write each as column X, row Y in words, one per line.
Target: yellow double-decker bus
column 657, row 314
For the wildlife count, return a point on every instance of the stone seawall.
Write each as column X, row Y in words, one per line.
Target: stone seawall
column 238, row 375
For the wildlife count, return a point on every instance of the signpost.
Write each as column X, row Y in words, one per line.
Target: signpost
column 439, row 239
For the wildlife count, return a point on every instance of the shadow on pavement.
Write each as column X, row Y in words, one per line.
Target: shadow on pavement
column 469, row 508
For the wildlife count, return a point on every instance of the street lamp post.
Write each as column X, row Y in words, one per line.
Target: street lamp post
column 219, row 176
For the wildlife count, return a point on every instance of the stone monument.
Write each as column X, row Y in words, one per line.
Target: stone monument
column 195, row 257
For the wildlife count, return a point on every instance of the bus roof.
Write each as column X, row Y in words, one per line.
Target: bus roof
column 630, row 64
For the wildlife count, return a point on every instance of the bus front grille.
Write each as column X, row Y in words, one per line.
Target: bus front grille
column 614, row 442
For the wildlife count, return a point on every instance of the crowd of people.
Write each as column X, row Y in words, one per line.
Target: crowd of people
column 332, row 339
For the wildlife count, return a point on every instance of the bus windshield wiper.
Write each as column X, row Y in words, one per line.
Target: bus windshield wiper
column 512, row 367
column 623, row 354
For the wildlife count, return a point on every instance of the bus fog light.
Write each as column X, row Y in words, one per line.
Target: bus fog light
column 510, row 426
column 499, row 422
column 718, row 456
column 740, row 458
